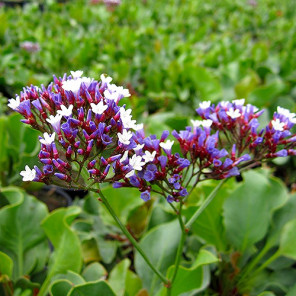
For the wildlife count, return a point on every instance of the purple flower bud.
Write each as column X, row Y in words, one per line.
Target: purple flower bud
column 46, row 160
column 163, row 161
column 183, row 192
column 281, row 153
column 118, row 185
column 62, row 176
column 134, row 181
column 145, row 195
column 170, row 199
column 164, row 135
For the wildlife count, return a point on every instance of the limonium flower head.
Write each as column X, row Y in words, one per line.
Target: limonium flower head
column 82, row 130
column 87, row 133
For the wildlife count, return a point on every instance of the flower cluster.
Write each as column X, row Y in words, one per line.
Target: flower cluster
column 88, row 139
column 84, row 129
column 238, row 124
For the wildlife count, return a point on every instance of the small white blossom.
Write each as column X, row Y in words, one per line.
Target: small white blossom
column 166, row 145
column 224, row 104
column 124, row 157
column 47, row 140
column 240, row 102
column 65, row 111
column 278, row 125
column 139, row 147
column 207, row 123
column 28, row 174
column 138, row 126
column 130, row 174
column 148, row 157
column 105, row 79
column 100, row 108
column 287, row 113
column 74, row 84
column 76, row 74
column 196, row 123
column 233, row 113
column 125, row 137
column 110, row 96
column 55, row 121
column 136, row 162
column 249, row 108
column 205, row 104
column 14, row 103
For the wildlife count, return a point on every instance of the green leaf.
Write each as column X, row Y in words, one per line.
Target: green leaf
column 160, row 244
column 204, row 81
column 288, row 240
column 194, row 277
column 67, row 254
column 94, row 272
column 96, row 288
column 122, row 200
column 247, row 213
column 6, row 265
column 22, row 237
column 266, row 293
column 60, row 288
column 265, row 95
column 209, row 225
column 117, row 277
column 133, row 284
column 280, row 218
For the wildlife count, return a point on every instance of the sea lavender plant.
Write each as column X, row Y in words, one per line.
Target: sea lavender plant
column 89, row 139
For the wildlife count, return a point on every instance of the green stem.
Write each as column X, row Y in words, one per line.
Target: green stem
column 179, row 251
column 253, row 263
column 268, row 261
column 204, row 205
column 131, row 239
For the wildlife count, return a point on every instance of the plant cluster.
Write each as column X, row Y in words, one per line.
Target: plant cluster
column 89, row 139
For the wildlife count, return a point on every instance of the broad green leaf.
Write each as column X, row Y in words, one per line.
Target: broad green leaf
column 205, row 82
column 22, row 237
column 94, row 272
column 160, row 244
column 117, row 277
column 94, row 288
column 60, row 288
column 280, row 218
column 133, row 284
column 249, row 208
column 122, row 200
column 193, row 277
column 209, row 225
column 67, row 254
column 266, row 293
column 264, row 95
column 288, row 240
column 292, row 291
column 6, row 265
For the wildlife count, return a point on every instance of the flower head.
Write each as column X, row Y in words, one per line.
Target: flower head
column 28, row 174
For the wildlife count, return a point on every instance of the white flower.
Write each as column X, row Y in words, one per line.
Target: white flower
column 240, row 102
column 205, row 104
column 166, row 145
column 224, row 104
column 14, row 103
column 99, row 108
column 250, row 109
column 124, row 157
column 110, row 96
column 105, row 79
column 139, row 147
column 47, row 139
column 278, row 125
column 65, row 111
column 207, row 123
column 125, row 137
column 148, row 157
column 138, row 126
column 55, row 121
column 74, row 84
column 287, row 113
column 233, row 113
column 28, row 174
column 196, row 123
column 136, row 162
column 76, row 74
column 129, row 174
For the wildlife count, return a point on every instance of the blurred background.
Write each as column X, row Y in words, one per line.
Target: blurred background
column 170, row 54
